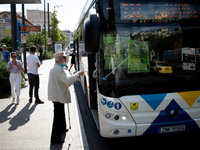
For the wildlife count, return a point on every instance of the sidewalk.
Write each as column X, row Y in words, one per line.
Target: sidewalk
column 28, row 126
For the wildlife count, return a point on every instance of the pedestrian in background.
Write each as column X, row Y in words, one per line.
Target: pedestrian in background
column 41, row 54
column 15, row 67
column 5, row 54
column 33, row 64
column 72, row 61
column 59, row 94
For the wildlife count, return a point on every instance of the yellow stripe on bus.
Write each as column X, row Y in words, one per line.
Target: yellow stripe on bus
column 190, row 97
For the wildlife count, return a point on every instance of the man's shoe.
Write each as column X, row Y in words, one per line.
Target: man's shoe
column 38, row 101
column 30, row 100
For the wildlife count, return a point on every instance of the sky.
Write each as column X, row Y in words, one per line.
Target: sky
column 68, row 11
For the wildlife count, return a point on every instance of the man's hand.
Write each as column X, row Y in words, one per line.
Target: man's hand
column 80, row 73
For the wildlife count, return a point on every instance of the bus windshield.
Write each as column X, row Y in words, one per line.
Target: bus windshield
column 148, row 56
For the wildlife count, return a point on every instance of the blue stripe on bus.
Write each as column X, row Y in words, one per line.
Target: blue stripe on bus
column 154, row 100
column 164, row 121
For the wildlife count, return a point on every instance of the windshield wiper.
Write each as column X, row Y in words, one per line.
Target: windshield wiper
column 114, row 69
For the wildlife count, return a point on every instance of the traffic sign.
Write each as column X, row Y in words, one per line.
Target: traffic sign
column 23, row 38
column 30, row 28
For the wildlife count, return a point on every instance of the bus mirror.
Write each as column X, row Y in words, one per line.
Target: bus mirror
column 92, row 32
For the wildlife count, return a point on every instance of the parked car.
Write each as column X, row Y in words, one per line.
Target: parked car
column 161, row 67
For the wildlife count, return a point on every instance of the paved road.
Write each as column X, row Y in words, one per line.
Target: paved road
column 28, row 126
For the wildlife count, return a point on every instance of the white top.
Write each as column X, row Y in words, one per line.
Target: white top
column 31, row 62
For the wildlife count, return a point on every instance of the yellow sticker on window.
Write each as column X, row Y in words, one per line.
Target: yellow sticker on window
column 134, row 106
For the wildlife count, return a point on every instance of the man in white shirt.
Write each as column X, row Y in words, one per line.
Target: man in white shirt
column 33, row 64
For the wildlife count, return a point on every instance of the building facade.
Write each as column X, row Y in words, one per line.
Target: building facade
column 5, row 23
column 37, row 17
column 69, row 35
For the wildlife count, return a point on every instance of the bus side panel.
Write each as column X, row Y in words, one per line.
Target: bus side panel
column 163, row 113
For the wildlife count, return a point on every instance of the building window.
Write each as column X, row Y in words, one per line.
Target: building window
column 5, row 16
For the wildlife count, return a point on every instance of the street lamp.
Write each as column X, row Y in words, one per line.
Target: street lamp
column 57, row 6
column 45, row 30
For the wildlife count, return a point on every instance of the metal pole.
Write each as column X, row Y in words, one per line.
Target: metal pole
column 48, row 26
column 24, row 45
column 14, row 26
column 69, row 115
column 45, row 30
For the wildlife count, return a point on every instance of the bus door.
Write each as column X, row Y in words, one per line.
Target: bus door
column 76, row 52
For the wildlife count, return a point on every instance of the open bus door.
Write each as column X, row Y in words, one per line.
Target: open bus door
column 92, row 82
column 92, row 94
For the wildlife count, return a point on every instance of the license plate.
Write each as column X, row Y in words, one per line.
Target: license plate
column 172, row 129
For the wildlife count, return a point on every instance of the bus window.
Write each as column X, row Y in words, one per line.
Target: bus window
column 127, row 66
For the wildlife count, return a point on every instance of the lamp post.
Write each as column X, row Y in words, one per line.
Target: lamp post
column 48, row 27
column 24, row 45
column 45, row 30
column 14, row 27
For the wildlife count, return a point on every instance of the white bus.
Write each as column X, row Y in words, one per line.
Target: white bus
column 126, row 97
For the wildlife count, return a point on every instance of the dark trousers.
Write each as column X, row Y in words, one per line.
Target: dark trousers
column 33, row 82
column 59, row 122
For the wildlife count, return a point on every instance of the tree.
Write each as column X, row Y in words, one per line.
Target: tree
column 55, row 33
column 36, row 38
column 7, row 41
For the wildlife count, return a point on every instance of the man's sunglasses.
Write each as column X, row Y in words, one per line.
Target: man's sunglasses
column 14, row 56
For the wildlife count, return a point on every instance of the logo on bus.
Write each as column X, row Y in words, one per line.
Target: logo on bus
column 198, row 101
column 118, row 106
column 110, row 104
column 103, row 101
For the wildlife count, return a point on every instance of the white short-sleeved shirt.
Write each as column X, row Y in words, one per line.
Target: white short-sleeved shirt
column 31, row 62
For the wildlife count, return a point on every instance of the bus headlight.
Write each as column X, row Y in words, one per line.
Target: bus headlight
column 123, row 118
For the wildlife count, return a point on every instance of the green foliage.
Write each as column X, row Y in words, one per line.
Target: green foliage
column 49, row 55
column 63, row 38
column 36, row 38
column 7, row 40
column 4, row 80
column 55, row 33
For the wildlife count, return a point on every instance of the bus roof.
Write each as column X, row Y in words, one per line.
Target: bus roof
column 88, row 5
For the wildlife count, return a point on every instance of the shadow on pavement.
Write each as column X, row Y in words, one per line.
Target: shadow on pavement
column 7, row 112
column 59, row 146
column 22, row 117
column 56, row 147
